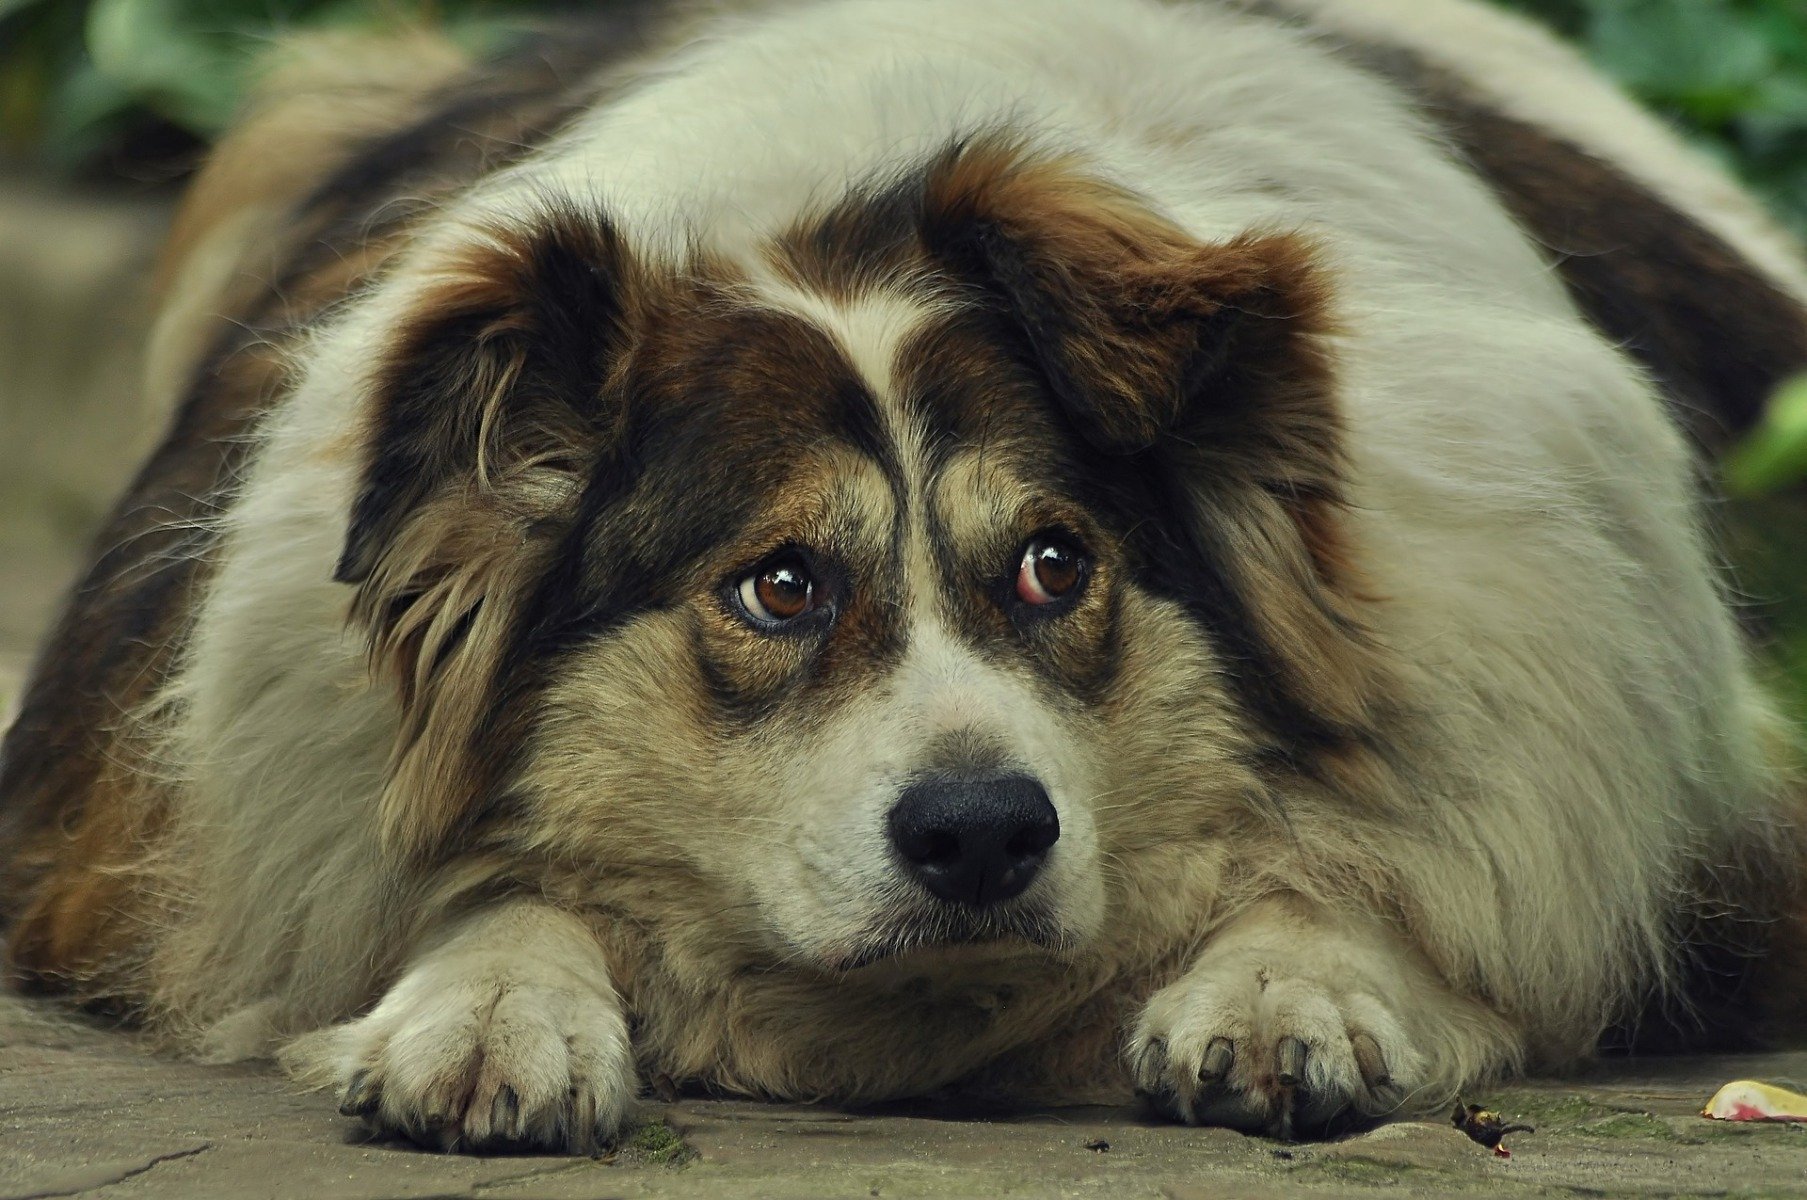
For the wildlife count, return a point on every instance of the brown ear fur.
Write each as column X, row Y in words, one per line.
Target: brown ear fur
column 1206, row 362
column 486, row 417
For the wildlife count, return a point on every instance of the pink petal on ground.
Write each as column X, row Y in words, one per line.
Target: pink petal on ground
column 1747, row 1100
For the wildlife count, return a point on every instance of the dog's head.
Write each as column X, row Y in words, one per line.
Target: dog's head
column 893, row 588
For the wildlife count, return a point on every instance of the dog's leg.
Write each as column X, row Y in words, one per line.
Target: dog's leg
column 1294, row 1021
column 505, row 1033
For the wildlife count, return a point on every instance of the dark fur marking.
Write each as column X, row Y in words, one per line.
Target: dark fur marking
column 714, row 407
column 960, row 376
column 510, row 362
column 1715, row 332
column 1164, row 398
column 1183, row 560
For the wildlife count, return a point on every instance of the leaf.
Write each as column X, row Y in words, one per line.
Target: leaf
column 84, row 110
column 1775, row 454
column 171, row 56
column 1700, row 55
column 11, row 8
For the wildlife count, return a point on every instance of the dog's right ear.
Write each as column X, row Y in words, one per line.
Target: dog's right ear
column 491, row 410
column 500, row 372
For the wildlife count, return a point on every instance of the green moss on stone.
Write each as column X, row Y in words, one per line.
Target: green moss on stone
column 1629, row 1125
column 1549, row 1111
column 1359, row 1171
column 653, row 1143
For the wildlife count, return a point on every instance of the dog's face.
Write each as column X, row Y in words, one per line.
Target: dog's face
column 886, row 595
column 869, row 705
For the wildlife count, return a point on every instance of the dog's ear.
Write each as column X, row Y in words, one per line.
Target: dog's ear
column 1142, row 332
column 1206, row 367
column 487, row 413
column 498, row 373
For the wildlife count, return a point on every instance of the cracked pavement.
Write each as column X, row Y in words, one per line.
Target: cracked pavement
column 86, row 1110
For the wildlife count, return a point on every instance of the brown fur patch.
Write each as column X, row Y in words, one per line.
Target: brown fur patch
column 1718, row 335
column 1128, row 315
column 86, row 926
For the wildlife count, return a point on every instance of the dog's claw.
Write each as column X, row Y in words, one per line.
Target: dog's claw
column 505, row 1113
column 1289, row 1062
column 1369, row 1061
column 1218, row 1057
column 586, row 1136
column 361, row 1096
column 1151, row 1064
column 1289, row 1073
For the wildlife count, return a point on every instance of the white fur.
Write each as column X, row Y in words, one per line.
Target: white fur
column 507, row 1031
column 1278, row 972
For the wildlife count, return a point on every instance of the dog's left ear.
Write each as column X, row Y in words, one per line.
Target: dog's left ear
column 1206, row 366
column 1143, row 333
column 491, row 405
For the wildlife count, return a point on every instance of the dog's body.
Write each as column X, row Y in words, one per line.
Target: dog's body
column 870, row 547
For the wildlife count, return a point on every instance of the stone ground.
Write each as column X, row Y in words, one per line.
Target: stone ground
column 89, row 1111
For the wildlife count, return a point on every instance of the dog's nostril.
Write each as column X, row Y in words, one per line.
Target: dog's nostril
column 975, row 841
column 1035, row 838
column 937, row 846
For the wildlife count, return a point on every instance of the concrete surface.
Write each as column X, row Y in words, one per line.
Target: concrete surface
column 92, row 1112
column 89, row 1111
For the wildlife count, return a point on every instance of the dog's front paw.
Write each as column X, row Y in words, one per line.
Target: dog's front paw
column 483, row 1047
column 1271, row 1042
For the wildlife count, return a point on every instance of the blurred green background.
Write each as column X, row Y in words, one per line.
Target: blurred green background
column 82, row 79
column 131, row 90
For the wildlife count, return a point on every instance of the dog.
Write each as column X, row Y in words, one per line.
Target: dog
column 850, row 550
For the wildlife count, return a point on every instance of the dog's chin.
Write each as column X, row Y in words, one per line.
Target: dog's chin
column 951, row 934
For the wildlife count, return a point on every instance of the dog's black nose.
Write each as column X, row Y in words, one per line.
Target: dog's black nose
column 975, row 841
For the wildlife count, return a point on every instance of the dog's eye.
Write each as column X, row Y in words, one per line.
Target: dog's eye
column 1052, row 567
column 778, row 591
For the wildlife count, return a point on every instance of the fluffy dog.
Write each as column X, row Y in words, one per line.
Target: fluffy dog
column 855, row 549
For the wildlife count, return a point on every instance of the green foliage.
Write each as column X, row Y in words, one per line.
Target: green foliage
column 1776, row 454
column 1732, row 73
column 79, row 77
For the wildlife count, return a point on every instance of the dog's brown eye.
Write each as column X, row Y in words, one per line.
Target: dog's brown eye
column 777, row 592
column 1052, row 567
